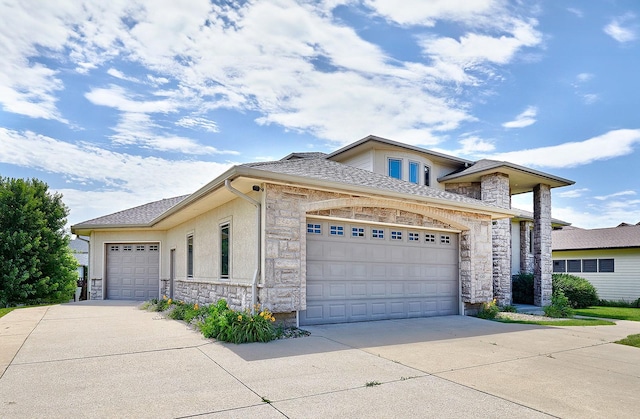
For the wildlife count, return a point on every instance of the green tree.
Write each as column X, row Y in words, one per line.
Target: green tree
column 36, row 263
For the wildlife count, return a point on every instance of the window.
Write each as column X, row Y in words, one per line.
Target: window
column 190, row 256
column 531, row 241
column 139, row 248
column 395, row 168
column 127, row 248
column 606, row 265
column 430, row 238
column 114, row 248
column 153, row 248
column 590, row 265
column 314, row 229
column 427, row 176
column 357, row 232
column 224, row 250
column 377, row 234
column 336, row 230
column 445, row 239
column 574, row 265
column 414, row 237
column 413, row 172
column 396, row 235
column 559, row 266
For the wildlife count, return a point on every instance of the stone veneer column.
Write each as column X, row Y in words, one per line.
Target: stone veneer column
column 495, row 190
column 526, row 247
column 542, row 285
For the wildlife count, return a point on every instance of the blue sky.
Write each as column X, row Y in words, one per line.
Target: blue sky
column 115, row 104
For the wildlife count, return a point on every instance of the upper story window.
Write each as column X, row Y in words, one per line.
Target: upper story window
column 395, row 168
column 427, row 176
column 414, row 168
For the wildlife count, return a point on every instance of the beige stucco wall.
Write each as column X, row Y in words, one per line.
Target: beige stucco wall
column 206, row 243
column 623, row 284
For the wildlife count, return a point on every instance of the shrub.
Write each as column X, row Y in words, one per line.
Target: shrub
column 522, row 288
column 560, row 306
column 579, row 291
column 489, row 310
column 509, row 308
column 620, row 303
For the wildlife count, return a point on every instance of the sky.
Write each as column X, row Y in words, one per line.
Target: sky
column 116, row 104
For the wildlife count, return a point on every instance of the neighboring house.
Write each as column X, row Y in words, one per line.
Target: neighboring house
column 375, row 230
column 609, row 258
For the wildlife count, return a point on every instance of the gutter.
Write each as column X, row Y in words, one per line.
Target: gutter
column 254, row 282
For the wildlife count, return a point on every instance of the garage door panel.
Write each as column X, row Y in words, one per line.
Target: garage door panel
column 132, row 271
column 365, row 278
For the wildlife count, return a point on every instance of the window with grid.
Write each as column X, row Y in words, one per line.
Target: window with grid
column 396, row 235
column 140, row 248
column 336, row 230
column 430, row 238
column 127, row 248
column 414, row 237
column 444, row 239
column 357, row 231
column 377, row 233
column 314, row 228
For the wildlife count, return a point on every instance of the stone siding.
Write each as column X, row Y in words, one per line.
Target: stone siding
column 526, row 255
column 495, row 190
column 543, row 266
column 470, row 189
column 165, row 287
column 96, row 289
column 238, row 296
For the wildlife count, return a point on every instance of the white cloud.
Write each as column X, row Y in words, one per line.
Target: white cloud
column 114, row 72
column 419, row 12
column 614, row 195
column 602, row 215
column 590, row 98
column 118, row 98
column 584, row 77
column 575, row 11
column 136, row 179
column 611, row 144
column 195, row 122
column 572, row 193
column 472, row 145
column 621, row 33
column 526, row 118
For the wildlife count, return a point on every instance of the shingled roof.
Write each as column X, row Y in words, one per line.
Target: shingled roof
column 330, row 171
column 140, row 215
column 599, row 238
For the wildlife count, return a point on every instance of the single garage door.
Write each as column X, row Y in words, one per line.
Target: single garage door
column 132, row 271
column 362, row 272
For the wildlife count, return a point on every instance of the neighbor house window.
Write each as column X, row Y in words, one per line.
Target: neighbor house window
column 574, row 265
column 190, row 256
column 413, row 172
column 395, row 168
column 224, row 250
column 589, row 265
column 606, row 265
column 559, row 266
column 427, row 176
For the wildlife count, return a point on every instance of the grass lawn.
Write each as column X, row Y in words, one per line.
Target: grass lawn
column 567, row 322
column 5, row 311
column 631, row 340
column 621, row 313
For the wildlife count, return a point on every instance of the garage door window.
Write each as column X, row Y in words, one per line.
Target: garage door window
column 445, row 239
column 414, row 237
column 336, row 230
column 430, row 238
column 357, row 232
column 396, row 235
column 190, row 256
column 314, row 228
column 377, row 233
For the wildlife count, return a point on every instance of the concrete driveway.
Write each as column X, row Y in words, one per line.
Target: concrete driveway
column 104, row 359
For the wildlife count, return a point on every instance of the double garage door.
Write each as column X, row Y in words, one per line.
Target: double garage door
column 361, row 272
column 133, row 271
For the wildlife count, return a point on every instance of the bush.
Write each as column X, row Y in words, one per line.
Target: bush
column 620, row 303
column 522, row 288
column 579, row 291
column 509, row 308
column 560, row 306
column 489, row 310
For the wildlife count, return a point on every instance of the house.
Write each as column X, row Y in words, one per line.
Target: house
column 375, row 230
column 609, row 258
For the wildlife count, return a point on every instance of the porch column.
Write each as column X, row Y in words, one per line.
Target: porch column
column 542, row 265
column 495, row 190
column 526, row 247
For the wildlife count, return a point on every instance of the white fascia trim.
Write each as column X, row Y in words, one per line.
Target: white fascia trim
column 411, row 227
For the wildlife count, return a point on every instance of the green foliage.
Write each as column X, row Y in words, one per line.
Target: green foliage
column 621, row 313
column 565, row 322
column 489, row 310
column 560, row 306
column 522, row 288
column 36, row 263
column 509, row 308
column 619, row 303
column 631, row 340
column 578, row 290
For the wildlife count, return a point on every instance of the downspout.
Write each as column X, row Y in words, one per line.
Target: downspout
column 254, row 283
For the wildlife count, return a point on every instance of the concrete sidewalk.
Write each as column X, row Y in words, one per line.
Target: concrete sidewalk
column 105, row 360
